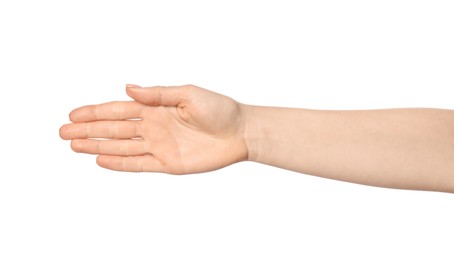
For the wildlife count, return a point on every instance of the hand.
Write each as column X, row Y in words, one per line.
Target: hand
column 184, row 129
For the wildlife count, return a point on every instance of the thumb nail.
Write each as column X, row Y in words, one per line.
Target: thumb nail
column 132, row 86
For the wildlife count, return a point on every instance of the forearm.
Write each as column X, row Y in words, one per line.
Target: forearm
column 397, row 148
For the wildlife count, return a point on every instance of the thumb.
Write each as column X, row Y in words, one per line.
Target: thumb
column 156, row 96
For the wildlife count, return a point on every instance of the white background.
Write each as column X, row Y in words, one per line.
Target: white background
column 58, row 55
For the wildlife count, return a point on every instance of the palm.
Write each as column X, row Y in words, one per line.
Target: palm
column 200, row 132
column 185, row 140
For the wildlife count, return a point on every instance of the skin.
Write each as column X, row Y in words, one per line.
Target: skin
column 187, row 129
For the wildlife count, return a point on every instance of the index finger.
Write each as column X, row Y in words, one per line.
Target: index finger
column 116, row 110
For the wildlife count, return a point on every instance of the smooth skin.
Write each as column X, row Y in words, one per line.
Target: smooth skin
column 187, row 129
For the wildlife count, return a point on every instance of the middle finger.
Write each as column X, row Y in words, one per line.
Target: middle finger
column 102, row 129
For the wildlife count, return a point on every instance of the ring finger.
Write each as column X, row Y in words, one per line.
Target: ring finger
column 109, row 147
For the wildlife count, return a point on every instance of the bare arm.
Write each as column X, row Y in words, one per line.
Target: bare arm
column 187, row 129
column 396, row 148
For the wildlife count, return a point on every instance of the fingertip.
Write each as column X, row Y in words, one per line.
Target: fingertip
column 131, row 90
column 76, row 145
column 101, row 161
column 62, row 132
column 74, row 116
column 83, row 114
column 71, row 116
column 109, row 162
column 132, row 86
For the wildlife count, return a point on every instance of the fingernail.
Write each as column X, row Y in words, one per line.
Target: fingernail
column 132, row 86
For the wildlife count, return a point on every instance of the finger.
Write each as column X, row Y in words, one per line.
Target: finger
column 117, row 110
column 102, row 129
column 145, row 163
column 109, row 147
column 158, row 96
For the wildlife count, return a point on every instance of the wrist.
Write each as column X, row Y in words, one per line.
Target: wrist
column 251, row 131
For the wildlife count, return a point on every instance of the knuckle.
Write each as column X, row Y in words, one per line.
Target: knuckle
column 124, row 149
column 139, row 128
column 101, row 149
column 88, row 129
column 190, row 86
column 95, row 112
column 118, row 109
column 140, row 167
column 159, row 91
column 122, row 164
column 113, row 130
column 146, row 147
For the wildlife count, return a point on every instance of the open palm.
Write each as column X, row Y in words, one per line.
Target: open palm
column 177, row 130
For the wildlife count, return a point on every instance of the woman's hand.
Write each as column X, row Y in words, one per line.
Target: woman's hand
column 188, row 129
column 178, row 130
